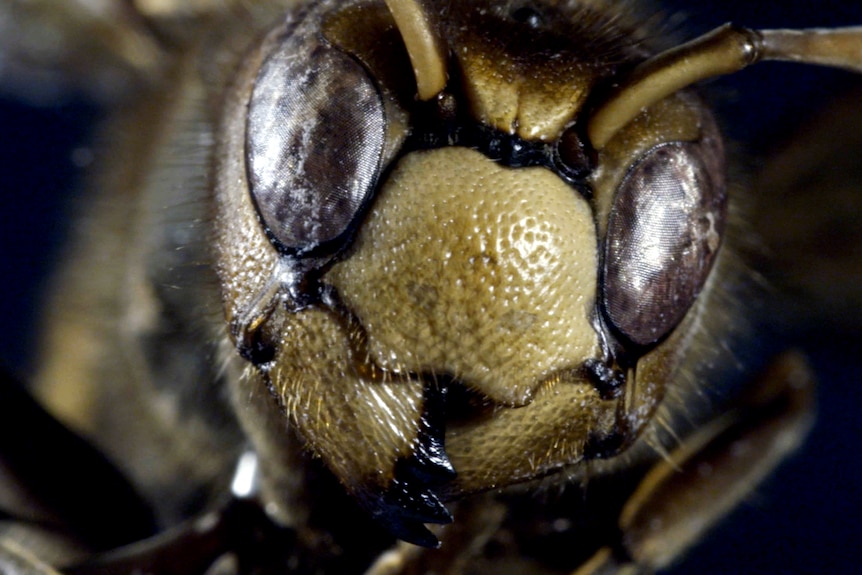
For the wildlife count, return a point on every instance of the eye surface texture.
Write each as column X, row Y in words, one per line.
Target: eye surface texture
column 664, row 231
column 315, row 136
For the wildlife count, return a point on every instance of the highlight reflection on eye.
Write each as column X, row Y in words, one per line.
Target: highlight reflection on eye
column 658, row 253
column 315, row 136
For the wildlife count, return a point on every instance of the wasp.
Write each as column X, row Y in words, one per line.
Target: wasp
column 397, row 287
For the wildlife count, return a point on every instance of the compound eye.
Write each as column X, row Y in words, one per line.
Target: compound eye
column 314, row 141
column 664, row 231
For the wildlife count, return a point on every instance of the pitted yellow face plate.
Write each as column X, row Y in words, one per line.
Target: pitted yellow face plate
column 476, row 271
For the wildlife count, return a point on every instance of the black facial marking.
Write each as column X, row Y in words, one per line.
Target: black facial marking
column 602, row 447
column 256, row 350
column 572, row 159
column 609, row 382
column 409, row 502
column 439, row 126
column 429, row 463
column 404, row 508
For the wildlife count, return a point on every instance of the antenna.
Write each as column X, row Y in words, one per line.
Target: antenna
column 424, row 46
column 725, row 50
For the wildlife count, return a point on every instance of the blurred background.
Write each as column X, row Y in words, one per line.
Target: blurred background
column 803, row 519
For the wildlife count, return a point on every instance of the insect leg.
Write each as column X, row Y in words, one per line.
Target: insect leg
column 685, row 494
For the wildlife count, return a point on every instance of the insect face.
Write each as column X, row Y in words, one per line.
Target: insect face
column 403, row 260
column 474, row 261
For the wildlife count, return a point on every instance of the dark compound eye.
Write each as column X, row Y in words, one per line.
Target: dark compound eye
column 664, row 231
column 315, row 136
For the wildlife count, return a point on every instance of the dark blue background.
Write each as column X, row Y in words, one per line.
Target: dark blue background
column 803, row 520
